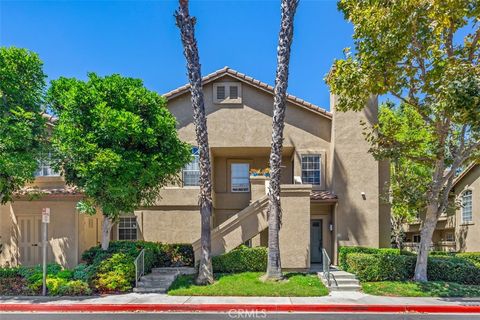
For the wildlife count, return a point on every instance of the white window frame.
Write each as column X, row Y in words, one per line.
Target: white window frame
column 469, row 205
column 131, row 228
column 44, row 169
column 232, row 186
column 304, row 180
column 448, row 235
column 228, row 99
column 196, row 160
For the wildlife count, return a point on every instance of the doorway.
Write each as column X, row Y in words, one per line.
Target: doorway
column 30, row 240
column 316, row 241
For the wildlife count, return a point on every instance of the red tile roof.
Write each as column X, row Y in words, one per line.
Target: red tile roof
column 323, row 196
column 256, row 83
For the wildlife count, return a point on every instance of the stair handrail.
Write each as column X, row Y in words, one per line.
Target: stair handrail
column 326, row 266
column 139, row 266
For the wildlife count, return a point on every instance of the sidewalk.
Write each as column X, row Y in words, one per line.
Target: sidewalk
column 335, row 302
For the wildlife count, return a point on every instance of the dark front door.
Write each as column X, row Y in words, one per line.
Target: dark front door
column 316, row 243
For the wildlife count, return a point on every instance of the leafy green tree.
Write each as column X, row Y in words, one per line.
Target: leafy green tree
column 408, row 180
column 22, row 127
column 115, row 140
column 412, row 50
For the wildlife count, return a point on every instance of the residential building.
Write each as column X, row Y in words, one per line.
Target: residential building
column 331, row 185
column 457, row 230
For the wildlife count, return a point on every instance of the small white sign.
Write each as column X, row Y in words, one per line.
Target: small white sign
column 46, row 215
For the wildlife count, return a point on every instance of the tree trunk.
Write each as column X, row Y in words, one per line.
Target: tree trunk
column 425, row 239
column 186, row 24
column 288, row 8
column 106, row 228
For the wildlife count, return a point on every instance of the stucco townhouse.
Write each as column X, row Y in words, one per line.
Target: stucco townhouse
column 331, row 186
column 457, row 229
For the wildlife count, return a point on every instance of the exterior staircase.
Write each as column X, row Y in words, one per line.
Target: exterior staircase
column 340, row 281
column 160, row 279
column 239, row 228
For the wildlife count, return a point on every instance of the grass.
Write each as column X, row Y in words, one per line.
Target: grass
column 249, row 284
column 415, row 289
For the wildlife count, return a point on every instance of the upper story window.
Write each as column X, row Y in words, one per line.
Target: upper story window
column 240, row 177
column 191, row 172
column 227, row 92
column 311, row 169
column 127, row 228
column 45, row 169
column 467, row 216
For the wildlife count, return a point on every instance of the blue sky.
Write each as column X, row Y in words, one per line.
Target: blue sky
column 140, row 39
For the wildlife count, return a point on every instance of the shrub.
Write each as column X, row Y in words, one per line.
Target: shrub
column 74, row 288
column 380, row 267
column 241, row 259
column 115, row 274
column 9, row 272
column 65, row 274
column 32, row 274
column 343, row 252
column 473, row 257
column 176, row 255
column 83, row 272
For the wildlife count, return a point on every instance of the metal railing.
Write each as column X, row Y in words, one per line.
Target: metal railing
column 139, row 266
column 326, row 266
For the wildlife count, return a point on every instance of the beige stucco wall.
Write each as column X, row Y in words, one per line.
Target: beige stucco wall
column 63, row 229
column 468, row 235
column 360, row 221
column 169, row 225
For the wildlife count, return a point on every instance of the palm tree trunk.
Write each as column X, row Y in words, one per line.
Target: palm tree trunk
column 186, row 24
column 288, row 7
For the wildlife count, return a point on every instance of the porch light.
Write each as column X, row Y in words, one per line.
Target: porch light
column 364, row 197
column 330, row 227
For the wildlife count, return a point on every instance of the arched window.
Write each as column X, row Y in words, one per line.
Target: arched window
column 467, row 206
column 191, row 172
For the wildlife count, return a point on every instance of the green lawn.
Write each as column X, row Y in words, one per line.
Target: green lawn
column 249, row 284
column 414, row 289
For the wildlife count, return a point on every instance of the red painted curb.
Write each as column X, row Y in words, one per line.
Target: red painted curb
column 32, row 307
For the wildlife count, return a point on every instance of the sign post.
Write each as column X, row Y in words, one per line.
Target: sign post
column 45, row 222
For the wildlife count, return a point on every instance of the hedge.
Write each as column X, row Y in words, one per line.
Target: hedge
column 343, row 252
column 473, row 257
column 241, row 259
column 385, row 267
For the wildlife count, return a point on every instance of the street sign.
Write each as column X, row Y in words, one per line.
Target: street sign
column 45, row 222
column 46, row 215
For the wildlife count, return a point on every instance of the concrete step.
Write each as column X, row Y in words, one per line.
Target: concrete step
column 142, row 283
column 155, row 277
column 149, row 290
column 173, row 270
column 346, row 288
column 344, row 282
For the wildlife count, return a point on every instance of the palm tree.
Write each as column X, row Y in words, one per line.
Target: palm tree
column 285, row 38
column 186, row 24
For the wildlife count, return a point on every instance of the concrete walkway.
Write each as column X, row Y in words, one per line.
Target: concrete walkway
column 355, row 298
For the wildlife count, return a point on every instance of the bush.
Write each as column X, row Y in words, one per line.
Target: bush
column 381, row 267
column 83, row 272
column 241, row 259
column 115, row 274
column 32, row 274
column 343, row 252
column 9, row 272
column 176, row 255
column 378, row 267
column 74, row 288
column 473, row 257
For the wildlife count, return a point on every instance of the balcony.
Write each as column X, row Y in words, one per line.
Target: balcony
column 446, row 246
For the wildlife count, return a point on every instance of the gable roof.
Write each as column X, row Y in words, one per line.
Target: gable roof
column 464, row 173
column 253, row 82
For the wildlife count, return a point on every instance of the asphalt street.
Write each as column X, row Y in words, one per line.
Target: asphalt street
column 232, row 315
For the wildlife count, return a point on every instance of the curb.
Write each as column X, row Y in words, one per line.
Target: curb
column 330, row 308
